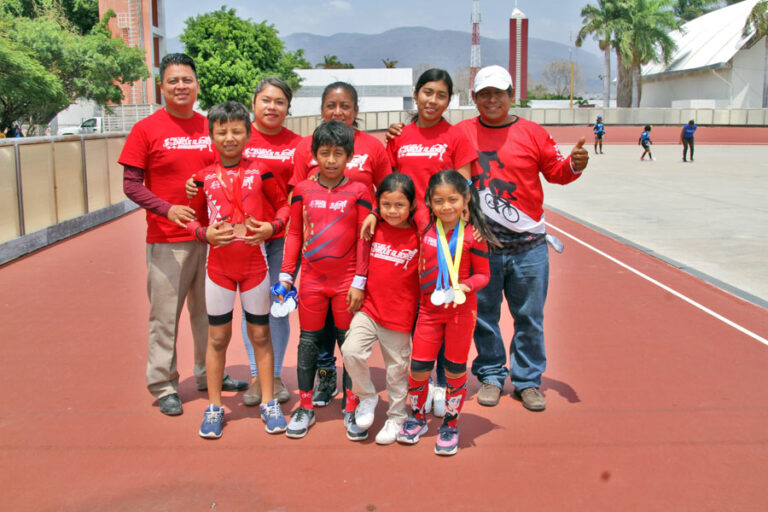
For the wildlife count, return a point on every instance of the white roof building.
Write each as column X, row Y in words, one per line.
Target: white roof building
column 378, row 90
column 714, row 65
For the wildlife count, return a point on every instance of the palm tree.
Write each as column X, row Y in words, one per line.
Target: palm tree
column 690, row 9
column 757, row 25
column 389, row 63
column 333, row 62
column 599, row 20
column 643, row 36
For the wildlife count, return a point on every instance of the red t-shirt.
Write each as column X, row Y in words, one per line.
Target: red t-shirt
column 422, row 152
column 274, row 154
column 170, row 150
column 369, row 164
column 506, row 174
column 474, row 270
column 392, row 289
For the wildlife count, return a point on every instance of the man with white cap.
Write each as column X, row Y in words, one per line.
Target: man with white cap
column 512, row 152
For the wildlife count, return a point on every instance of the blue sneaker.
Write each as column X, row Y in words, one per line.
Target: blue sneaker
column 272, row 414
column 354, row 433
column 213, row 419
column 412, row 430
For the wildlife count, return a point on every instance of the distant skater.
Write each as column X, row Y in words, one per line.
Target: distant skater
column 645, row 141
column 686, row 138
column 599, row 130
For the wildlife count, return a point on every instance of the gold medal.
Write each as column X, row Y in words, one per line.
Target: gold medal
column 459, row 297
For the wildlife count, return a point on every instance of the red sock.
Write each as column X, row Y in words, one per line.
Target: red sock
column 455, row 394
column 352, row 401
column 417, row 396
column 305, row 399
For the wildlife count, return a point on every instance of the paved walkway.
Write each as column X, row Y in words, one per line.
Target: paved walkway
column 709, row 217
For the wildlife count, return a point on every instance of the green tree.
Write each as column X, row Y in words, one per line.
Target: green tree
column 601, row 21
column 233, row 55
column 757, row 26
column 89, row 66
column 389, row 63
column 27, row 89
column 643, row 36
column 691, row 9
column 80, row 15
column 333, row 62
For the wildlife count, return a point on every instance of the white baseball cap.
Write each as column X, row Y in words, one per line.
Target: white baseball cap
column 492, row 76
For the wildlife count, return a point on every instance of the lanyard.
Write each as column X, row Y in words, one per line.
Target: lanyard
column 450, row 265
column 233, row 190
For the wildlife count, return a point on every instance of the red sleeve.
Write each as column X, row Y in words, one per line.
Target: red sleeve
column 301, row 160
column 276, row 197
column 392, row 153
column 481, row 270
column 136, row 191
column 295, row 236
column 381, row 164
column 363, row 247
column 463, row 152
column 554, row 167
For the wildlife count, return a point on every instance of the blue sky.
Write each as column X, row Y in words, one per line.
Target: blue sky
column 554, row 20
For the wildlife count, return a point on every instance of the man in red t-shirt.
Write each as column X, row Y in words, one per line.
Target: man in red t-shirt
column 160, row 153
column 512, row 154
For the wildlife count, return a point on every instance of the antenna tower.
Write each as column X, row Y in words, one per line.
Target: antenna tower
column 474, row 56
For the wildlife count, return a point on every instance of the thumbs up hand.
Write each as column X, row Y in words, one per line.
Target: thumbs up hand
column 579, row 156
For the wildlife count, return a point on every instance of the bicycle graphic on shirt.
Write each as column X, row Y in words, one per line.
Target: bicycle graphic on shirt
column 500, row 193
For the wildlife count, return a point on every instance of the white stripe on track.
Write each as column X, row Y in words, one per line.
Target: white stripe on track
column 665, row 287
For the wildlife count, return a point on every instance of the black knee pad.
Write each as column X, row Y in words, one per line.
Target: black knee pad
column 455, row 368
column 256, row 319
column 421, row 366
column 220, row 319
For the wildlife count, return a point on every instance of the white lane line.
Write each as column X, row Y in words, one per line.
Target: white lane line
column 665, row 287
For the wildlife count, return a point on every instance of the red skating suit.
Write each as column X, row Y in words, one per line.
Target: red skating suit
column 324, row 229
column 392, row 289
column 506, row 172
column 452, row 325
column 260, row 193
column 369, row 164
column 422, row 152
column 274, row 153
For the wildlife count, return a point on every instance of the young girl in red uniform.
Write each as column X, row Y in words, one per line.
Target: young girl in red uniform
column 389, row 310
column 453, row 266
column 236, row 193
column 369, row 165
column 326, row 214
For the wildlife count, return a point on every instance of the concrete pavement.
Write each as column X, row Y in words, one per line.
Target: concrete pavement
column 708, row 217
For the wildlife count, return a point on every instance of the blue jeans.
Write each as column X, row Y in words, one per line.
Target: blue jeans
column 279, row 328
column 523, row 279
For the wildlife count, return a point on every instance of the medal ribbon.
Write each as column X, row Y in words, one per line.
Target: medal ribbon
column 451, row 265
column 233, row 190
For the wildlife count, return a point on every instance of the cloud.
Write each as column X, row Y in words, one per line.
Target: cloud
column 341, row 5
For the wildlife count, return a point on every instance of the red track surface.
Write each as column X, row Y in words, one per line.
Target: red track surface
column 652, row 403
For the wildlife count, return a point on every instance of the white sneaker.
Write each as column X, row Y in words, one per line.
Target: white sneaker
column 428, row 403
column 365, row 411
column 388, row 433
column 438, row 402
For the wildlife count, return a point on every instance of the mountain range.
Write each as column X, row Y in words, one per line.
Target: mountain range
column 420, row 47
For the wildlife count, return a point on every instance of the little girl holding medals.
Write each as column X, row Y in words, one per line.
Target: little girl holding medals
column 452, row 267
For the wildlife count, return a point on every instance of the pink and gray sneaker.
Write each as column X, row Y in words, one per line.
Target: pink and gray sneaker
column 447, row 440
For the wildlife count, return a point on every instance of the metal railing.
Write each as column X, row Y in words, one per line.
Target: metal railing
column 49, row 182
